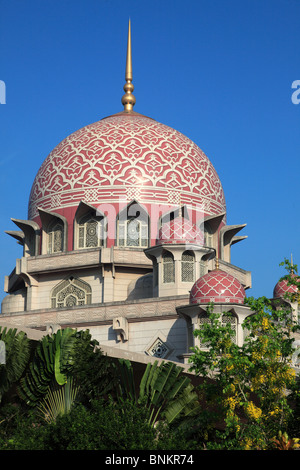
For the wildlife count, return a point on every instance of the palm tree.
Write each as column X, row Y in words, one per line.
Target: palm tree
column 52, row 362
column 60, row 357
column 163, row 390
column 59, row 400
column 17, row 353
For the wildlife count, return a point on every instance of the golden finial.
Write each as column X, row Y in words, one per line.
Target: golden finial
column 217, row 262
column 128, row 100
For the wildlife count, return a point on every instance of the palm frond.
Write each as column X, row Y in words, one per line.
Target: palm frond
column 58, row 401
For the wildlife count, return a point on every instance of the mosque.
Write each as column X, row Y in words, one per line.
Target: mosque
column 126, row 236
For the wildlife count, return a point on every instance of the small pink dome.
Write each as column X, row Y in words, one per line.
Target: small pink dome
column 282, row 288
column 218, row 287
column 180, row 230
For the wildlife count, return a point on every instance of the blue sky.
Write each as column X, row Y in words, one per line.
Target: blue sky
column 218, row 71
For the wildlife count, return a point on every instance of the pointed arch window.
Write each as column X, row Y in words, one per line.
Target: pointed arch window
column 91, row 231
column 70, row 293
column 187, row 266
column 168, row 267
column 133, row 227
column 55, row 234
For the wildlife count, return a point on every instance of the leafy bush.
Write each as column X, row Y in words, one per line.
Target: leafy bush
column 105, row 425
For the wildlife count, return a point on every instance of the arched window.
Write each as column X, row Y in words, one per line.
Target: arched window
column 55, row 234
column 168, row 267
column 91, row 231
column 70, row 293
column 187, row 266
column 133, row 227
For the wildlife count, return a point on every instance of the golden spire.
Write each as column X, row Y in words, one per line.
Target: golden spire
column 128, row 100
column 217, row 263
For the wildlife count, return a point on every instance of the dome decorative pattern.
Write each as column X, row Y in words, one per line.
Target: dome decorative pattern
column 283, row 288
column 218, row 287
column 126, row 157
column 180, row 230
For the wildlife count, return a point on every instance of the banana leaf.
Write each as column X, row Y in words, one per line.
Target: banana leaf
column 185, row 404
column 164, row 380
column 51, row 361
column 60, row 378
column 126, row 379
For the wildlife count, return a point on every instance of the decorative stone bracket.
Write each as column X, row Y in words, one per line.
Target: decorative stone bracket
column 120, row 326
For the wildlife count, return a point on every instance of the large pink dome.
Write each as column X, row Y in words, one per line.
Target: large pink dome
column 126, row 157
column 218, row 287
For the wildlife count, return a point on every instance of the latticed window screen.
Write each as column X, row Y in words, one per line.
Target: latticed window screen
column 187, row 266
column 203, row 319
column 91, row 232
column 71, row 292
column 133, row 232
column 168, row 268
column 55, row 237
column 231, row 319
column 202, row 268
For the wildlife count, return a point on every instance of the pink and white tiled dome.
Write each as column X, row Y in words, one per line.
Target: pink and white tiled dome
column 180, row 230
column 283, row 288
column 126, row 156
column 219, row 287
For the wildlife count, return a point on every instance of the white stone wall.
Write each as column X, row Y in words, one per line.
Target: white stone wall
column 142, row 334
column 121, row 283
column 41, row 298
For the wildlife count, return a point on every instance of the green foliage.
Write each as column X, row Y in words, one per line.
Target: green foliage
column 17, row 355
column 64, row 354
column 163, row 391
column 20, row 429
column 108, row 425
column 58, row 401
column 105, row 425
column 95, row 372
column 52, row 361
column 249, row 384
